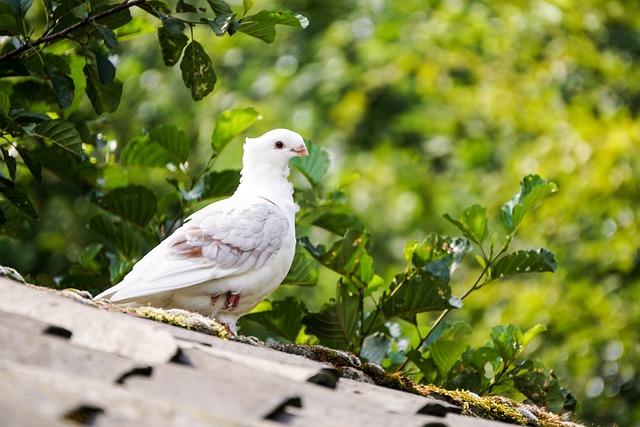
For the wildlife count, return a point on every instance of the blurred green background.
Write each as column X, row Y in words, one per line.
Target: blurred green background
column 436, row 105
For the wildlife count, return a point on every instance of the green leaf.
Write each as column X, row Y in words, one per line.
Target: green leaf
column 19, row 200
column 21, row 7
column 221, row 24
column 142, row 151
column 376, row 347
column 532, row 190
column 183, row 7
column 220, row 7
column 173, row 25
column 5, row 103
column 115, row 20
column 246, row 5
column 230, row 124
column 32, row 162
column 284, row 319
column 338, row 223
column 507, row 341
column 171, row 45
column 173, row 140
column 10, row 162
column 108, row 36
column 60, row 133
column 481, row 356
column 17, row 223
column 419, row 293
column 314, row 166
column 125, row 237
column 63, row 85
column 473, row 223
column 304, row 270
column 446, row 353
column 532, row 333
column 8, row 24
column 90, row 257
column 262, row 25
column 336, row 324
column 106, row 70
column 525, row 261
column 103, row 97
column 221, row 184
column 197, row 71
column 348, row 256
column 134, row 203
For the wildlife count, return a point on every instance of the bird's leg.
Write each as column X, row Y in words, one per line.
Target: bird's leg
column 232, row 301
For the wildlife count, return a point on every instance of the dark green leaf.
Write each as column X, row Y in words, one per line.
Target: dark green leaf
column 284, row 319
column 303, row 272
column 142, row 151
column 115, row 20
column 539, row 385
column 5, row 103
column 221, row 184
column 125, row 237
column 106, row 70
column 17, row 224
column 8, row 24
column 103, row 97
column 3, row 219
column 197, row 71
column 109, row 37
column 338, row 223
column 183, row 7
column 20, row 6
column 348, row 257
column 336, row 324
column 220, row 7
column 171, row 46
column 60, row 133
column 520, row 262
column 376, row 347
column 173, row 140
column 473, row 223
column 134, row 203
column 315, row 165
column 10, row 162
column 230, row 124
column 532, row 190
column 173, row 25
column 90, row 257
column 63, row 86
column 19, row 200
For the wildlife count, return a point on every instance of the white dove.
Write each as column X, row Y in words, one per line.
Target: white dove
column 232, row 254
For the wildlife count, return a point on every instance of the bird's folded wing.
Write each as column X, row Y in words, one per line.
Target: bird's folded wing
column 224, row 239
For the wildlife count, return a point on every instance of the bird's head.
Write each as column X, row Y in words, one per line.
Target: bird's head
column 275, row 147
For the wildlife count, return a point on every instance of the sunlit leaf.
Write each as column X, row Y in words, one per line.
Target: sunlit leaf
column 532, row 190
column 445, row 354
column 525, row 261
column 314, row 166
column 230, row 124
column 262, row 24
column 134, row 203
column 532, row 333
column 220, row 7
column 473, row 223
column 507, row 341
column 60, row 133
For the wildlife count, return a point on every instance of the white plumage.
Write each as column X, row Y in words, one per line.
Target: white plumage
column 230, row 255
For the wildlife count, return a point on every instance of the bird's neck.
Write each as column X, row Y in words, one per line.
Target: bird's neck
column 269, row 183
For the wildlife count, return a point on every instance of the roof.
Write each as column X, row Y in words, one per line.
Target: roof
column 63, row 363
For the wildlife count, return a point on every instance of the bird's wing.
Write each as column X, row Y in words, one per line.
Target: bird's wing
column 226, row 238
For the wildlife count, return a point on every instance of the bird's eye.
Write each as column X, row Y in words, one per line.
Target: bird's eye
column 279, row 145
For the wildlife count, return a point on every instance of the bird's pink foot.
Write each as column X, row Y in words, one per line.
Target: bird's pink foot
column 231, row 300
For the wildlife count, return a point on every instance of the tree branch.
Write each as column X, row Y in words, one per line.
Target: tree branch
column 63, row 33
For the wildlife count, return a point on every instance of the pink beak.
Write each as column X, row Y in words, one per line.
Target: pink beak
column 301, row 151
